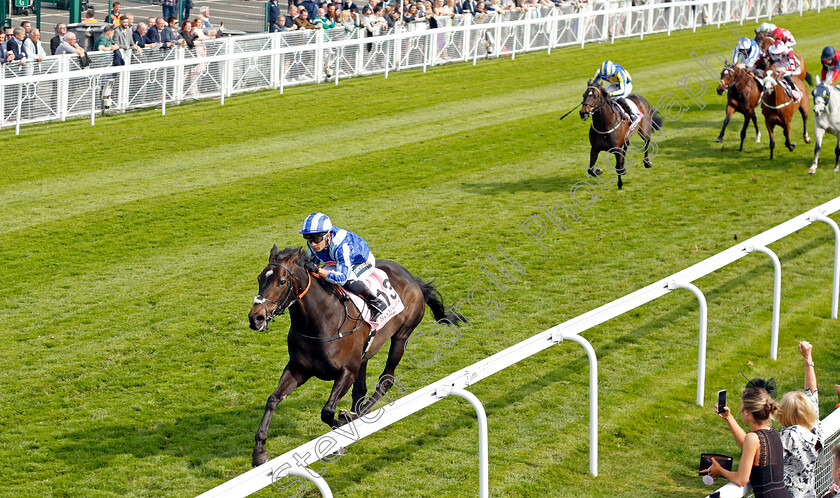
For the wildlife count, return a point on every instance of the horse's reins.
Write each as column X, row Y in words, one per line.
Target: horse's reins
column 598, row 109
column 279, row 309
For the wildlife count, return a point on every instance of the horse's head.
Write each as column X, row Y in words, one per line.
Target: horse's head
column 727, row 79
column 279, row 286
column 593, row 99
column 768, row 81
column 821, row 95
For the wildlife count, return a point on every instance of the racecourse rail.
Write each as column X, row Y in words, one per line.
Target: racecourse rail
column 292, row 461
column 59, row 88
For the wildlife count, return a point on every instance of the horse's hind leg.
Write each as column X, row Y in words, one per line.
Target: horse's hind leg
column 818, row 135
column 786, row 128
column 289, row 381
column 340, row 388
column 769, row 124
column 755, row 124
column 744, row 132
column 387, row 379
column 837, row 155
column 803, row 110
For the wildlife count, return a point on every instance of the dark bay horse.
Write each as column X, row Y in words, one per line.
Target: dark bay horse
column 327, row 339
column 610, row 132
column 742, row 96
column 778, row 108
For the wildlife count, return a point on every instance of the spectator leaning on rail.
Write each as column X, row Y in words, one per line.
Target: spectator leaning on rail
column 321, row 21
column 123, row 35
column 274, row 10
column 15, row 45
column 762, row 455
column 139, row 35
column 834, row 490
column 801, row 432
column 69, row 46
column 106, row 43
column 303, row 20
column 32, row 46
column 350, row 254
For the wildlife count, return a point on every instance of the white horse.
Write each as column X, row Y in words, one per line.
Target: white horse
column 827, row 119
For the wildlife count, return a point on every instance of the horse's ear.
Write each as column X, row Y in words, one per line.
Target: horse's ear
column 274, row 253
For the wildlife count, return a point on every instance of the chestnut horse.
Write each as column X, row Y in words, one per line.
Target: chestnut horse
column 765, row 42
column 327, row 337
column 742, row 96
column 778, row 108
column 610, row 132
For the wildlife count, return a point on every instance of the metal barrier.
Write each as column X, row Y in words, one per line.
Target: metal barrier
column 314, row 450
column 59, row 88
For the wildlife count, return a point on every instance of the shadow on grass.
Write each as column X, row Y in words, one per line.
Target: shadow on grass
column 551, row 184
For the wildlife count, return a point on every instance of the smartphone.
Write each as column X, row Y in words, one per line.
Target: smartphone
column 721, row 401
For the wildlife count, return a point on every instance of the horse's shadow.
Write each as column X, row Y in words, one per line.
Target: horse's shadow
column 549, row 184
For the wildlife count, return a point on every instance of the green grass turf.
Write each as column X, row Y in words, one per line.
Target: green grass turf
column 130, row 252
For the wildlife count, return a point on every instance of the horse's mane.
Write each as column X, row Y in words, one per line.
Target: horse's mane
column 599, row 86
column 287, row 253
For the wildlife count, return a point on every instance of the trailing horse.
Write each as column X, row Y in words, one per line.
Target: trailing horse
column 610, row 132
column 742, row 96
column 327, row 336
column 778, row 108
column 826, row 119
column 764, row 43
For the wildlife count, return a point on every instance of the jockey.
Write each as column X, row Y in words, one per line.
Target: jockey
column 784, row 36
column 782, row 59
column 746, row 53
column 347, row 251
column 619, row 87
column 766, row 28
column 830, row 66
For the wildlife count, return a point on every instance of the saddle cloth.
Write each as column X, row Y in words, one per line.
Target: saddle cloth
column 379, row 285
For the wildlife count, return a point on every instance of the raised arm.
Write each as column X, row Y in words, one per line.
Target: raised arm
column 810, row 377
column 737, row 432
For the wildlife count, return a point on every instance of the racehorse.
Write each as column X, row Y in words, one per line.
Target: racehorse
column 327, row 337
column 826, row 119
column 742, row 96
column 765, row 42
column 610, row 132
column 778, row 109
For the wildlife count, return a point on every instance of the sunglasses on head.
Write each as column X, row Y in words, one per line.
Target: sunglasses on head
column 314, row 237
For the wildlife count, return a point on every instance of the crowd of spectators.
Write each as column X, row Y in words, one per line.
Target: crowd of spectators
column 22, row 45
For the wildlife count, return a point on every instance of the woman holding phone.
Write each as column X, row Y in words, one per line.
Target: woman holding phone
column 762, row 455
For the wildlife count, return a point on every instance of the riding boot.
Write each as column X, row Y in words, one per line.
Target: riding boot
column 375, row 303
column 794, row 92
column 629, row 110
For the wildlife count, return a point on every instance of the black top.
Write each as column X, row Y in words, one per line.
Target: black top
column 768, row 477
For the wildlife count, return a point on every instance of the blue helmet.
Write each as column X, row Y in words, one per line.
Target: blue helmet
column 827, row 54
column 744, row 44
column 607, row 69
column 316, row 223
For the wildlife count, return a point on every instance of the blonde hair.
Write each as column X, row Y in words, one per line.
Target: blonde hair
column 796, row 409
column 758, row 402
column 344, row 16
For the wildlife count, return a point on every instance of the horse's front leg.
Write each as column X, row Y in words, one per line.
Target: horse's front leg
column 340, row 388
column 359, row 393
column 729, row 111
column 593, row 158
column 803, row 110
column 619, row 165
column 289, row 381
column 744, row 131
column 837, row 155
column 818, row 135
column 769, row 125
column 755, row 124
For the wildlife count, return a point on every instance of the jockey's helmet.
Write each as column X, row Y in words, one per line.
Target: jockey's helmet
column 316, row 224
column 744, row 44
column 765, row 27
column 607, row 69
column 777, row 49
column 827, row 56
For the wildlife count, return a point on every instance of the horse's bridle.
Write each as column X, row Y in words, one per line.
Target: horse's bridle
column 593, row 108
column 279, row 309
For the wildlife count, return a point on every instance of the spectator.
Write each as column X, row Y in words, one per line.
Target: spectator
column 205, row 18
column 27, row 27
column 33, row 48
column 833, row 491
column 70, row 46
column 115, row 17
column 388, row 15
column 481, row 8
column 290, row 18
column 310, row 6
column 303, row 20
column 130, row 18
column 139, row 35
column 186, row 34
column 10, row 33
column 349, row 20
column 188, row 5
column 60, row 31
column 321, row 20
column 123, row 35
column 90, row 17
column 411, row 15
column 105, row 42
column 470, row 7
column 170, row 8
column 348, row 5
column 173, row 27
column 273, row 10
column 801, row 432
column 5, row 55
column 15, row 45
column 159, row 36
column 199, row 33
column 151, row 21
column 454, row 8
column 332, row 14
column 276, row 25
column 762, row 455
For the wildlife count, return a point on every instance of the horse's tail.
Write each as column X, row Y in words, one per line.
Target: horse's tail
column 809, row 78
column 435, row 302
column 657, row 119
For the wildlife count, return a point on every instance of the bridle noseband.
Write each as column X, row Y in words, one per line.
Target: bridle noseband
column 278, row 308
column 594, row 109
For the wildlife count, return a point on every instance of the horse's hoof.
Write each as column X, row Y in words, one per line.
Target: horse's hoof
column 807, row 139
column 719, row 139
column 791, row 147
column 258, row 459
column 648, row 164
column 340, row 452
column 595, row 172
column 811, row 171
column 345, row 417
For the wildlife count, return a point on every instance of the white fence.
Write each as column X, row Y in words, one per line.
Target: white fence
column 456, row 383
column 59, row 88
